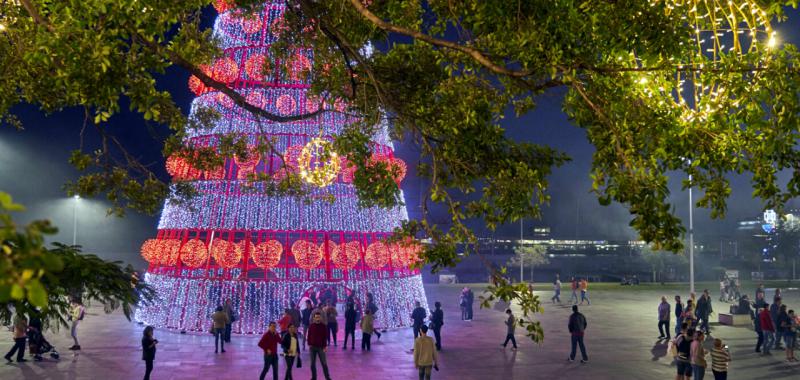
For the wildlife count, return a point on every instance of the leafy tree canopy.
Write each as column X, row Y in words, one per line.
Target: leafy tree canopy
column 658, row 86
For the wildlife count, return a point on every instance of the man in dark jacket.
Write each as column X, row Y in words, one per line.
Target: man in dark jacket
column 318, row 345
column 470, row 302
column 678, row 315
column 350, row 326
column 294, row 312
column 269, row 343
column 437, row 321
column 774, row 310
column 418, row 318
column 577, row 326
column 703, row 311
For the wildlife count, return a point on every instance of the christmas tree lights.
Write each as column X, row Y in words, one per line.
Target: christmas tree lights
column 232, row 240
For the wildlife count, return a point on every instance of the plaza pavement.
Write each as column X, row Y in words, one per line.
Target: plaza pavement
column 621, row 340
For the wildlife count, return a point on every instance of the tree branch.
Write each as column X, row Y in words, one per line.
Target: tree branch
column 474, row 53
column 36, row 16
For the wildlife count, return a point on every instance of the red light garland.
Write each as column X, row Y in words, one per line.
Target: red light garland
column 267, row 254
column 346, row 255
column 194, row 253
column 307, row 255
column 180, row 170
column 224, row 5
column 149, row 252
column 167, row 251
column 377, row 255
column 225, row 253
column 196, row 85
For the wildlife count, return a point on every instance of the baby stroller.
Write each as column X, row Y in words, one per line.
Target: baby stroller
column 39, row 345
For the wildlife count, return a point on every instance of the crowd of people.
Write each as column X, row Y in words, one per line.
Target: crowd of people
column 773, row 324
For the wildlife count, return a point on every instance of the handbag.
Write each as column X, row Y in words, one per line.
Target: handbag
column 299, row 362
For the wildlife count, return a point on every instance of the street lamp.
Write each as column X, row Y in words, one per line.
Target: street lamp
column 521, row 255
column 76, row 198
column 691, row 235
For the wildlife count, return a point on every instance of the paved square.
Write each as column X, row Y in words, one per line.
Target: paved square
column 620, row 341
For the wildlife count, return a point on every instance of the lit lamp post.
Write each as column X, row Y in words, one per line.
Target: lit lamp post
column 521, row 255
column 691, row 235
column 76, row 198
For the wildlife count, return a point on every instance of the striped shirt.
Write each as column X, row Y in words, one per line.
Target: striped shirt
column 720, row 358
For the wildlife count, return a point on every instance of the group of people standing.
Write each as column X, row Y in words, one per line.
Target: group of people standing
column 691, row 329
column 774, row 323
column 29, row 330
column 576, row 285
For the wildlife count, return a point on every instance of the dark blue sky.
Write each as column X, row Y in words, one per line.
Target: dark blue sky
column 34, row 167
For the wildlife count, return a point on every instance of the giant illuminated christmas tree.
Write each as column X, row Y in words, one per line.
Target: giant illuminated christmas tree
column 264, row 251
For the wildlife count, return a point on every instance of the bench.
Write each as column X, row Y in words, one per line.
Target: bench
column 734, row 319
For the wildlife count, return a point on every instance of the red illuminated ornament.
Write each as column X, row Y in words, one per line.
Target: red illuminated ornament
column 313, row 103
column 257, row 99
column 225, row 70
column 377, row 255
column 299, row 67
column 285, row 104
column 224, row 100
column 348, row 170
column 396, row 166
column 225, row 253
column 307, row 255
column 251, row 23
column 346, row 255
column 149, row 251
column 180, row 169
column 267, row 254
column 405, row 253
column 256, row 66
column 224, row 5
column 196, row 85
column 215, row 174
column 168, row 250
column 278, row 26
column 194, row 253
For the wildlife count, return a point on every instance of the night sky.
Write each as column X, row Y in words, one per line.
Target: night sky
column 33, row 168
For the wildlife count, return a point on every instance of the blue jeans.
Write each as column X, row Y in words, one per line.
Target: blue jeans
column 556, row 297
column 698, row 372
column 578, row 341
column 769, row 340
column 574, row 296
column 318, row 351
column 228, row 328
column 678, row 323
column 511, row 338
column 270, row 361
column 219, row 339
column 585, row 296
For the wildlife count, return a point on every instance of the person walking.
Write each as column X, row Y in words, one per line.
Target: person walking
column 511, row 325
column 787, row 331
column 233, row 316
column 556, row 290
column 269, row 343
column 462, row 303
column 704, row 310
column 757, row 328
column 367, row 329
column 663, row 318
column 573, row 283
column 584, row 285
column 768, row 329
column 683, row 359
column 577, row 327
column 373, row 309
column 294, row 312
column 678, row 315
column 291, row 351
column 76, row 314
column 720, row 358
column 284, row 322
column 698, row 353
column 437, row 321
column 425, row 357
column 220, row 319
column 774, row 311
column 305, row 319
column 350, row 326
column 333, row 324
column 318, row 346
column 148, row 350
column 20, row 329
column 418, row 318
column 470, row 302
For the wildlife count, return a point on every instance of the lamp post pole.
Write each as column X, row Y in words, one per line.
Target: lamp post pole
column 691, row 237
column 75, row 219
column 521, row 253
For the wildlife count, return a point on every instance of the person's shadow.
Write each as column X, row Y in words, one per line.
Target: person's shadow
column 659, row 350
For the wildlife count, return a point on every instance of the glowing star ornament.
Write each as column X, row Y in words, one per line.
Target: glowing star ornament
column 346, row 255
column 319, row 165
column 723, row 35
column 267, row 254
column 225, row 253
column 194, row 253
column 307, row 255
column 377, row 255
